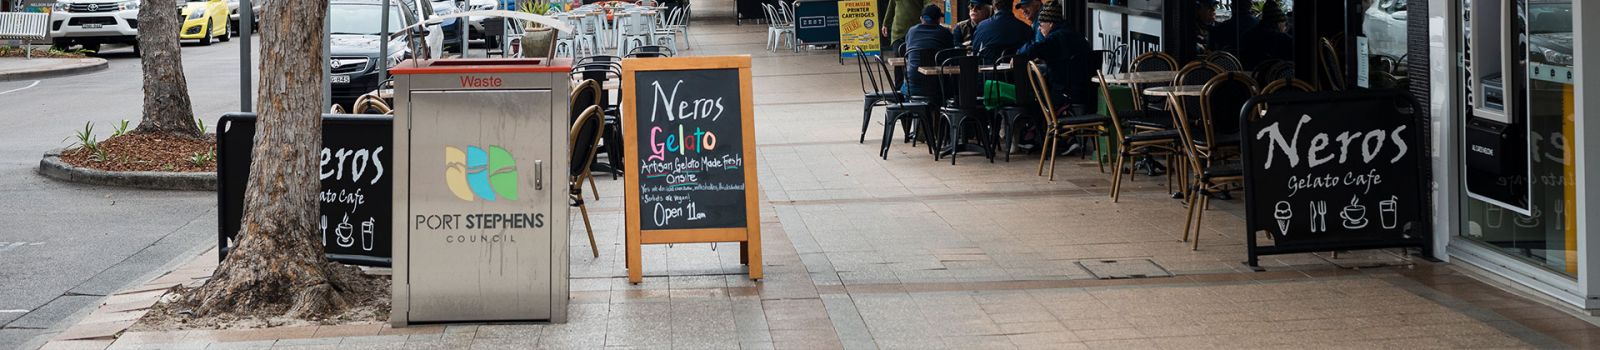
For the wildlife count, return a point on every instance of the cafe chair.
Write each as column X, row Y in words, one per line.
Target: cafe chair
column 1132, row 144
column 873, row 93
column 651, row 51
column 1208, row 179
column 1151, row 62
column 1274, row 70
column 1012, row 116
column 1328, row 59
column 1224, row 60
column 583, row 96
column 1220, row 102
column 371, row 103
column 964, row 109
column 1289, row 85
column 778, row 29
column 1058, row 127
column 582, row 143
column 1193, row 74
column 633, row 30
column 669, row 27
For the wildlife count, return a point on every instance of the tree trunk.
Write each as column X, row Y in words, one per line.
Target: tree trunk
column 277, row 267
column 166, row 92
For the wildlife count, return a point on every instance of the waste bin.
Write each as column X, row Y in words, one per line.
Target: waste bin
column 480, row 188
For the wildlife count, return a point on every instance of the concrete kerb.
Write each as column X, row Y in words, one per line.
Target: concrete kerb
column 52, row 167
column 82, row 65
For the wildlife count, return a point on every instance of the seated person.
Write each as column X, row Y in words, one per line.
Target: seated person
column 977, row 11
column 925, row 39
column 1269, row 40
column 1068, row 59
column 1001, row 33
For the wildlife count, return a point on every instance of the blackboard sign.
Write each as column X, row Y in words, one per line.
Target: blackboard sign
column 1333, row 170
column 356, row 192
column 688, row 123
column 691, row 164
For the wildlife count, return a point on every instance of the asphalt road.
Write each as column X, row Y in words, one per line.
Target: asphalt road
column 64, row 246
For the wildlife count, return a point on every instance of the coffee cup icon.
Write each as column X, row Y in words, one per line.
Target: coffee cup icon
column 345, row 233
column 1355, row 214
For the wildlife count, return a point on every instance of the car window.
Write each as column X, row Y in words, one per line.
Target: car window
column 1541, row 18
column 360, row 19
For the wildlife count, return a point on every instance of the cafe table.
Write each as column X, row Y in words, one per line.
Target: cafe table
column 1174, row 90
column 1148, row 77
column 953, row 70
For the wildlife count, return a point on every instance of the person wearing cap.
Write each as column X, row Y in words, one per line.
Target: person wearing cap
column 900, row 17
column 977, row 11
column 1067, row 57
column 1205, row 20
column 1000, row 33
column 1269, row 40
column 926, row 38
column 1030, row 10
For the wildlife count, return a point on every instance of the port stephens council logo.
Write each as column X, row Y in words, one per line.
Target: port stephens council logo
column 490, row 174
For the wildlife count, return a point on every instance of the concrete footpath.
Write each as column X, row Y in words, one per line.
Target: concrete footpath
column 907, row 253
column 19, row 68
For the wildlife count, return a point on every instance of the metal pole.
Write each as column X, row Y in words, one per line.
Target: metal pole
column 383, row 45
column 466, row 22
column 327, row 57
column 247, row 22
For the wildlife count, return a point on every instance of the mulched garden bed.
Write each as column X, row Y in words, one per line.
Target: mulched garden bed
column 147, row 152
column 7, row 51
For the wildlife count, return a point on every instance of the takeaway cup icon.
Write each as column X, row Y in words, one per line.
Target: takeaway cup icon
column 1387, row 210
column 366, row 234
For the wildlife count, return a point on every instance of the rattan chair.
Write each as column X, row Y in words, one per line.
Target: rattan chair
column 1058, row 127
column 1152, row 142
column 1224, row 60
column 1208, row 179
column 582, row 144
column 1151, row 62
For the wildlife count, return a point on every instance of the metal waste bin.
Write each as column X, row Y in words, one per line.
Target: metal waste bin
column 480, row 188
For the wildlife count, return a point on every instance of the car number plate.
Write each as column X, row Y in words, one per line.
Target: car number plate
column 341, row 79
column 91, row 26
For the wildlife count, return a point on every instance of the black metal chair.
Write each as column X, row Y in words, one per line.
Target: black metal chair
column 873, row 93
column 582, row 144
column 651, row 51
column 602, row 71
column 964, row 108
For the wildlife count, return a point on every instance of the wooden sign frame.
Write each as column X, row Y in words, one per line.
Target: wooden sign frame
column 749, row 237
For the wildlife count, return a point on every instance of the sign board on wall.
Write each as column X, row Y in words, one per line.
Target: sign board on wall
column 690, row 124
column 858, row 28
column 816, row 22
column 1333, row 171
column 356, row 165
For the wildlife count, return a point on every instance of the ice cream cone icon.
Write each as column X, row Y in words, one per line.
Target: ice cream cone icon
column 1283, row 214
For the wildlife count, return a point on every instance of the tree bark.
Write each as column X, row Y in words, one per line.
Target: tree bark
column 166, row 91
column 277, row 267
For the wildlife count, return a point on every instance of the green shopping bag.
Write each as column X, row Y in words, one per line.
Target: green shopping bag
column 998, row 93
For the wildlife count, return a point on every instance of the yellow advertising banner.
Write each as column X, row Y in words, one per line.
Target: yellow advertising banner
column 858, row 27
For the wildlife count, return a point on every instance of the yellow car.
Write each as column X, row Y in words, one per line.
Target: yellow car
column 203, row 20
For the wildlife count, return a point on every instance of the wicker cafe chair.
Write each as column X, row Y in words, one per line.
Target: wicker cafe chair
column 370, row 103
column 1208, row 179
column 1332, row 71
column 873, row 93
column 1150, row 62
column 1058, row 127
column 1224, row 60
column 1132, row 143
column 1290, row 84
column 1220, row 101
column 583, row 96
column 582, row 143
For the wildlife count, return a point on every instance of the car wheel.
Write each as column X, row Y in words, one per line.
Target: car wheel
column 225, row 30
column 205, row 40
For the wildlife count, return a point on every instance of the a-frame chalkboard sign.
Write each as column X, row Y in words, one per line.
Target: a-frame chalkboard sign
column 1329, row 171
column 689, row 134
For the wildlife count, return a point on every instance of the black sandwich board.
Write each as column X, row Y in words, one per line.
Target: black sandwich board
column 1330, row 171
column 356, row 167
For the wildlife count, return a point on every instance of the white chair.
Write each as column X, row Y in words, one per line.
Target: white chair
column 633, row 30
column 777, row 29
column 667, row 32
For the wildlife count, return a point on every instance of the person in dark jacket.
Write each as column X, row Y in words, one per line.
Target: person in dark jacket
column 977, row 12
column 926, row 38
column 1067, row 56
column 1000, row 33
column 1269, row 40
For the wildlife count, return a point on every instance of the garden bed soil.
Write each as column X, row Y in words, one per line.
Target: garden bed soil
column 147, row 152
column 368, row 297
column 38, row 53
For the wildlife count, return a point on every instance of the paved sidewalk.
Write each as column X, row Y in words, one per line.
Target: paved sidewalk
column 19, row 68
column 907, row 253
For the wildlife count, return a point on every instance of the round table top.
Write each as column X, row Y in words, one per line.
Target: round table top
column 1178, row 90
column 1140, row 77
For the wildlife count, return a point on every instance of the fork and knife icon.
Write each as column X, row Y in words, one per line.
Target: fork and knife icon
column 1319, row 216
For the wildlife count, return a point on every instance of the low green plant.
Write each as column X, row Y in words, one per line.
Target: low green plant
column 87, row 141
column 120, row 129
column 203, row 158
column 201, row 124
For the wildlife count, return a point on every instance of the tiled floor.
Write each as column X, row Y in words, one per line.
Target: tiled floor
column 907, row 253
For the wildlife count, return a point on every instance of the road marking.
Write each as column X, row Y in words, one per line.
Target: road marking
column 30, row 86
column 4, row 246
column 18, row 311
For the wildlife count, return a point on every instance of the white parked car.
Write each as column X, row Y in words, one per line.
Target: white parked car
column 92, row 23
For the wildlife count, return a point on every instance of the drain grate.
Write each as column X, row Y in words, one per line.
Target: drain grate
column 1124, row 268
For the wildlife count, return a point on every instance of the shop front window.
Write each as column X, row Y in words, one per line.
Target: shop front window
column 1534, row 220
